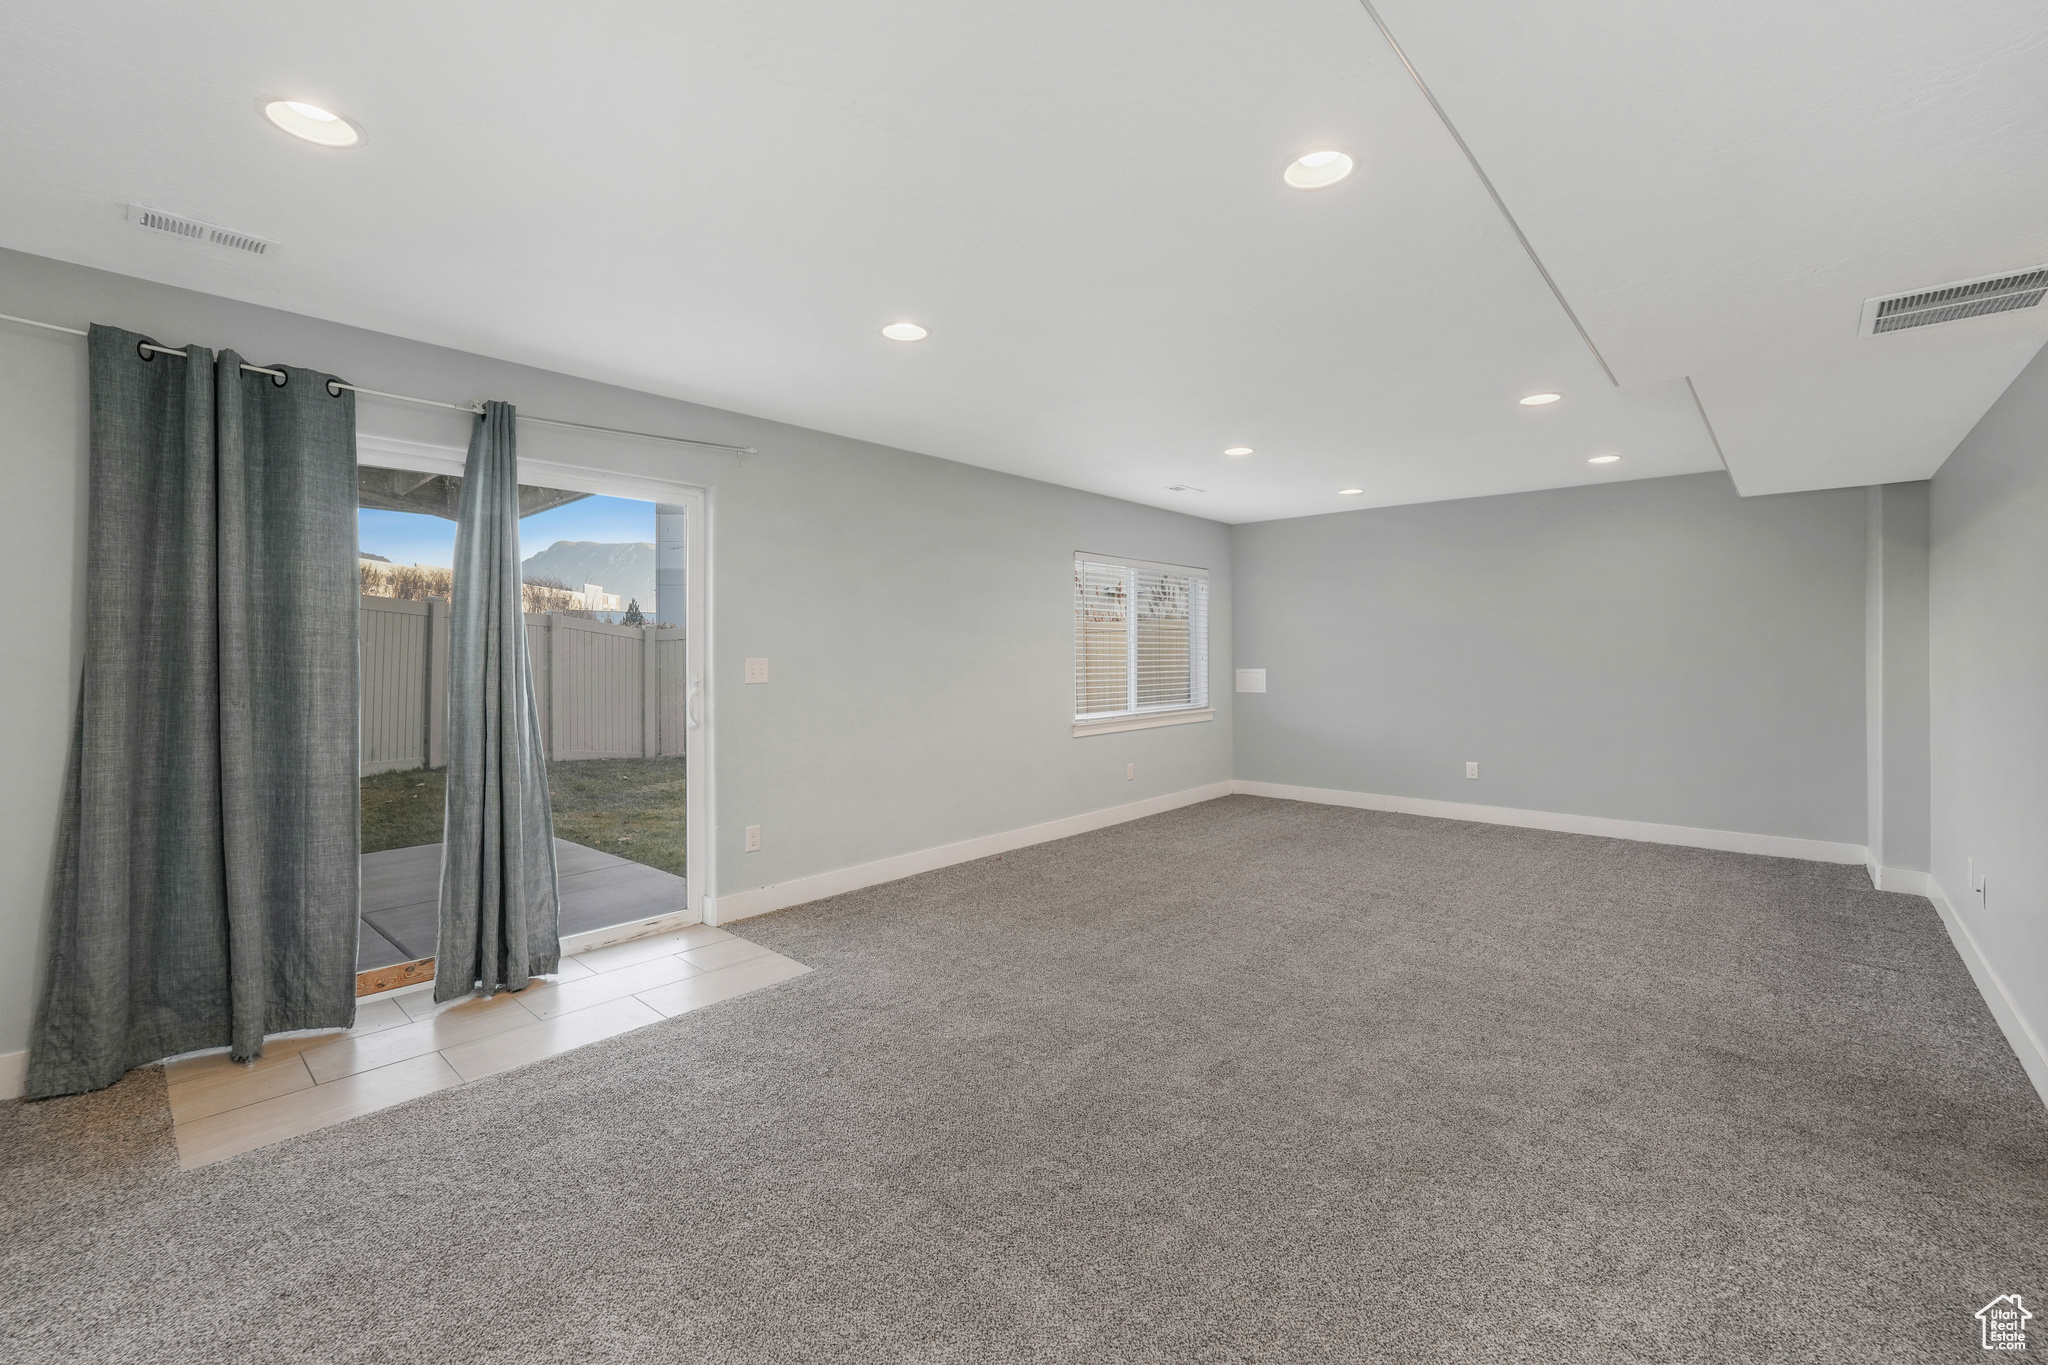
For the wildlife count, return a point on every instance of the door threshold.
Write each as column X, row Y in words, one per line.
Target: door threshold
column 573, row 944
column 407, row 977
column 383, row 980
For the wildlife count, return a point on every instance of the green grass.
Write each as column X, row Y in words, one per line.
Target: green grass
column 631, row 808
column 403, row 809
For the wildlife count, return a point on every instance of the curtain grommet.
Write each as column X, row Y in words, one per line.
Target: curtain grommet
column 147, row 349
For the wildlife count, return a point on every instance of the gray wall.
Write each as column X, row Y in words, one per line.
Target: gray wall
column 1656, row 650
column 42, row 525
column 1895, row 674
column 917, row 613
column 1988, row 626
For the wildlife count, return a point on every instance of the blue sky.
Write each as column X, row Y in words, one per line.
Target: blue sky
column 410, row 538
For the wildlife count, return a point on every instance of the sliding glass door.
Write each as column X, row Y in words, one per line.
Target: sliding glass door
column 607, row 595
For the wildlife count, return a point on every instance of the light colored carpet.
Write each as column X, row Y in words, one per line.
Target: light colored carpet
column 1249, row 1081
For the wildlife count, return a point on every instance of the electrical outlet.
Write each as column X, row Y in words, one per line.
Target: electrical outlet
column 757, row 670
column 753, row 838
column 1471, row 770
column 1130, row 772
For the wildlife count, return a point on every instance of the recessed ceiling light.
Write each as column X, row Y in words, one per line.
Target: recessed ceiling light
column 1349, row 492
column 1537, row 400
column 322, row 127
column 1603, row 459
column 1317, row 170
column 905, row 331
column 1238, row 450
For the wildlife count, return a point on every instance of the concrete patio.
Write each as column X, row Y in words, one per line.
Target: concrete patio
column 402, row 888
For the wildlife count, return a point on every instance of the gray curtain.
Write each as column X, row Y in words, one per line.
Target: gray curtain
column 499, row 898
column 206, row 887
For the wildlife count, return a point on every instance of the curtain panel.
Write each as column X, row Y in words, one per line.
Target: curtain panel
column 206, row 887
column 500, row 901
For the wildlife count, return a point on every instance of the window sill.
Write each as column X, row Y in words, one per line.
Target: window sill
column 1149, row 722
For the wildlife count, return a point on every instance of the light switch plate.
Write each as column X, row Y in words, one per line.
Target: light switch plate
column 757, row 670
column 1251, row 679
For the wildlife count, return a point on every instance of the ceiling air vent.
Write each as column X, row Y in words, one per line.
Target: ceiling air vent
column 193, row 230
column 1954, row 302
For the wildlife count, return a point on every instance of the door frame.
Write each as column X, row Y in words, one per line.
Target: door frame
column 699, row 769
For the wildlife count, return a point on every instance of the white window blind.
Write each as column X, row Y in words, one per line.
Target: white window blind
column 1141, row 638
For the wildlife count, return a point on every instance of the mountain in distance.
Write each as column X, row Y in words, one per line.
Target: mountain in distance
column 626, row 569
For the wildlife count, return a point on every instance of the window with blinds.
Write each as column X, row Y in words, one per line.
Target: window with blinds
column 1141, row 639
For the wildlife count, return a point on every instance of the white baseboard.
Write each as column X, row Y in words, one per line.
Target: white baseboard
column 2024, row 1037
column 13, row 1074
column 739, row 905
column 1902, row 879
column 1728, row 841
column 759, row 901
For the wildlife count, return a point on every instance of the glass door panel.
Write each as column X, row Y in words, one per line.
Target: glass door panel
column 604, row 586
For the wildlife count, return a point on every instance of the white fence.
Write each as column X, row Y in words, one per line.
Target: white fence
column 603, row 691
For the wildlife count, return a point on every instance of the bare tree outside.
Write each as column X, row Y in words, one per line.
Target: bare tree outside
column 406, row 582
column 542, row 594
column 418, row 582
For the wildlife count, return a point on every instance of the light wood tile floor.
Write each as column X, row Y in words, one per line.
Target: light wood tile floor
column 406, row 1046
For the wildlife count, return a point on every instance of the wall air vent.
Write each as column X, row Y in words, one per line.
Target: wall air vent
column 1954, row 302
column 193, row 230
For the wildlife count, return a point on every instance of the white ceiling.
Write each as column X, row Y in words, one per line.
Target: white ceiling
column 724, row 201
column 1718, row 187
